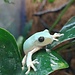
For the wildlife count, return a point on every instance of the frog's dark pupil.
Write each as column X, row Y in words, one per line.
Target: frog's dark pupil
column 41, row 39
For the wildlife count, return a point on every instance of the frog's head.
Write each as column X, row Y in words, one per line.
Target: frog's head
column 43, row 38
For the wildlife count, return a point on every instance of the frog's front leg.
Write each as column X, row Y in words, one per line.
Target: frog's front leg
column 29, row 61
column 56, row 35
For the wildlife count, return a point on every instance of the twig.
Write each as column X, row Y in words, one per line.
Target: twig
column 49, row 11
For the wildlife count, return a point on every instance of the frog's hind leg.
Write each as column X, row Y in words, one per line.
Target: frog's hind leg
column 23, row 62
column 29, row 61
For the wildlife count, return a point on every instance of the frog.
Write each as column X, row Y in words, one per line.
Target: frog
column 35, row 43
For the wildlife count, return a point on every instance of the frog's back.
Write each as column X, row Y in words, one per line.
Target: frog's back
column 28, row 44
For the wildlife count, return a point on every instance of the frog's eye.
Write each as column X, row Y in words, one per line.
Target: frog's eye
column 41, row 39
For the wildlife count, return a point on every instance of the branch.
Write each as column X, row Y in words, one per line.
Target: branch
column 49, row 11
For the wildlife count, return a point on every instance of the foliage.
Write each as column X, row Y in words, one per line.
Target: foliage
column 69, row 33
column 10, row 62
column 50, row 1
column 8, row 1
column 10, row 56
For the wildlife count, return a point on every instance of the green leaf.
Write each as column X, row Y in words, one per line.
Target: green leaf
column 8, row 1
column 20, row 41
column 27, row 29
column 34, row 1
column 48, row 63
column 69, row 33
column 9, row 55
column 37, row 0
column 51, row 1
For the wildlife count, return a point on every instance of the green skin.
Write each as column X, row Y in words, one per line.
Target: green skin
column 32, row 45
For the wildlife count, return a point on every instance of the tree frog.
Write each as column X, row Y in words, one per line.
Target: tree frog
column 35, row 43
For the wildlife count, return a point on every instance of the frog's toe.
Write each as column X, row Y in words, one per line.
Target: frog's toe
column 57, row 35
column 28, row 70
column 23, row 68
column 32, row 65
column 35, row 61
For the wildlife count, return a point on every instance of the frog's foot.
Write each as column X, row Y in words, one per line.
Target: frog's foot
column 35, row 61
column 31, row 64
column 47, row 50
column 57, row 35
column 23, row 62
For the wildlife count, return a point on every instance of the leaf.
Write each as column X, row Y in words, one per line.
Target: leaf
column 51, row 1
column 37, row 1
column 69, row 33
column 8, row 1
column 34, row 1
column 9, row 55
column 27, row 29
column 20, row 41
column 47, row 63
